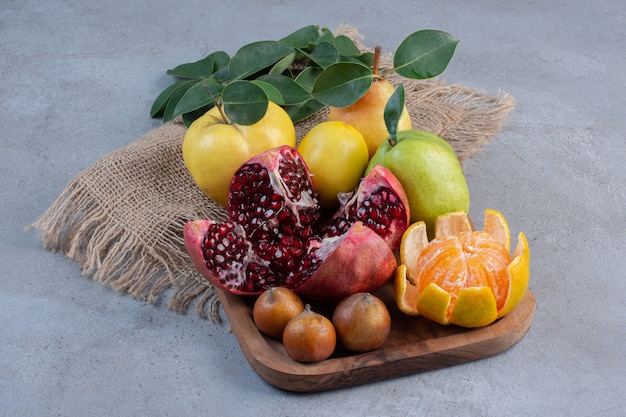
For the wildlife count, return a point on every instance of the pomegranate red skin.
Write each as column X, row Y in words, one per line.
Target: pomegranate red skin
column 362, row 262
column 194, row 234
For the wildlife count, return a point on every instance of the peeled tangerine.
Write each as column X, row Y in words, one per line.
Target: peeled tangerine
column 462, row 277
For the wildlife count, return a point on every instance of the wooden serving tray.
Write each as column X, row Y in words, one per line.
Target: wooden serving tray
column 415, row 344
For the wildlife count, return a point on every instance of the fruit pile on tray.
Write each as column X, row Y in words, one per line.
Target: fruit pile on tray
column 317, row 226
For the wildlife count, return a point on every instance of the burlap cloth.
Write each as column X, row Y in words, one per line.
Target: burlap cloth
column 122, row 218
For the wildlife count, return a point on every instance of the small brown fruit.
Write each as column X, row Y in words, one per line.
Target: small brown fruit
column 362, row 322
column 274, row 308
column 309, row 337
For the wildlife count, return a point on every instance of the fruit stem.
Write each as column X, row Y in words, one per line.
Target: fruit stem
column 376, row 63
column 220, row 108
column 392, row 141
column 219, row 105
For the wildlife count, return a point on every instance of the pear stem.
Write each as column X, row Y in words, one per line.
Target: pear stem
column 376, row 63
column 392, row 141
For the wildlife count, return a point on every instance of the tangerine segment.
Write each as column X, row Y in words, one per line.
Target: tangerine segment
column 496, row 225
column 442, row 262
column 414, row 240
column 519, row 275
column 405, row 292
column 487, row 262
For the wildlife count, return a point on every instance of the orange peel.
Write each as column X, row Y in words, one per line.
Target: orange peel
column 414, row 240
column 463, row 277
column 405, row 292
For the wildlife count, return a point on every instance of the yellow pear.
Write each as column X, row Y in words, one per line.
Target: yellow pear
column 367, row 113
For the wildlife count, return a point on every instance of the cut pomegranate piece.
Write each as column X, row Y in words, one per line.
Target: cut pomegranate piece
column 222, row 253
column 380, row 202
column 272, row 195
column 357, row 261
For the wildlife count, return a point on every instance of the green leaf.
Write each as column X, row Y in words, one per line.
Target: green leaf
column 366, row 60
column 290, row 91
column 272, row 93
column 327, row 36
column 175, row 97
column 255, row 57
column 393, row 111
column 303, row 110
column 303, row 37
column 194, row 70
column 244, row 102
column 283, row 65
column 221, row 75
column 366, row 57
column 220, row 59
column 201, row 94
column 161, row 101
column 341, row 84
column 346, row 46
column 424, row 54
column 324, row 55
column 306, row 79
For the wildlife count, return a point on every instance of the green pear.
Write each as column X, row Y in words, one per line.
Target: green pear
column 430, row 172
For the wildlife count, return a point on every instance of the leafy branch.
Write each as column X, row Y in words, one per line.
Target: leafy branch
column 303, row 72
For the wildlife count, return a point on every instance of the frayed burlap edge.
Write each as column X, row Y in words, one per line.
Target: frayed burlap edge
column 137, row 248
column 106, row 242
column 113, row 255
